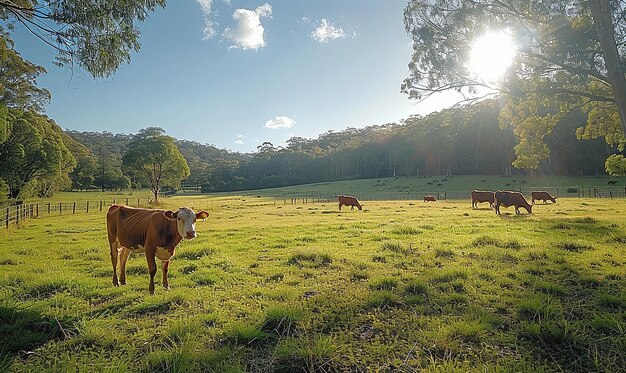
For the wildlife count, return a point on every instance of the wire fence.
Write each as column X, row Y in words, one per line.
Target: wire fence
column 17, row 213
column 438, row 194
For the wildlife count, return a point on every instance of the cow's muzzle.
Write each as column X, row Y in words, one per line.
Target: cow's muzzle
column 190, row 235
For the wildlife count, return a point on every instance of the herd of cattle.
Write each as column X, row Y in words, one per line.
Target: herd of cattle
column 157, row 232
column 495, row 199
column 508, row 199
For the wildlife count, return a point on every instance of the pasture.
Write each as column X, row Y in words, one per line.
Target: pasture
column 456, row 187
column 268, row 286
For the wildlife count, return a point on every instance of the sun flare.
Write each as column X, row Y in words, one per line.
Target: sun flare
column 491, row 55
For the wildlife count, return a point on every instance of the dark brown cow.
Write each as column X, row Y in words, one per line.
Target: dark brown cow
column 349, row 201
column 506, row 199
column 430, row 198
column 480, row 196
column 541, row 196
column 153, row 232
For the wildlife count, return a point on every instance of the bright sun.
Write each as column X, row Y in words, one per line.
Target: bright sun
column 491, row 55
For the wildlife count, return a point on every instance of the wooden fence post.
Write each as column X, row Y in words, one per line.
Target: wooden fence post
column 137, row 202
column 88, row 207
column 100, row 206
column 17, row 214
column 60, row 207
column 8, row 217
column 74, row 208
column 126, row 201
column 37, row 210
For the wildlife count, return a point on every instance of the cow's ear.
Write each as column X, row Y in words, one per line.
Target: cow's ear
column 170, row 214
column 202, row 215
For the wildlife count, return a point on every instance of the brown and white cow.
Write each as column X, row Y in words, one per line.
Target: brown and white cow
column 349, row 201
column 507, row 199
column 541, row 196
column 153, row 232
column 430, row 198
column 479, row 196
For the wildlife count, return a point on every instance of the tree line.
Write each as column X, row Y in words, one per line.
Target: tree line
column 457, row 141
column 559, row 110
column 37, row 157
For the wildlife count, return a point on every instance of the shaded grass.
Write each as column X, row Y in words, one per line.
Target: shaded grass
column 311, row 260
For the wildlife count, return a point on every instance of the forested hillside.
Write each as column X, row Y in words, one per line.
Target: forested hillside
column 462, row 141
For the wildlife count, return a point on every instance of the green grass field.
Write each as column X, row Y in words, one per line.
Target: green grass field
column 457, row 187
column 268, row 286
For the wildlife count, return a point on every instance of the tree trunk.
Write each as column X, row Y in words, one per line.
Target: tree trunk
column 602, row 17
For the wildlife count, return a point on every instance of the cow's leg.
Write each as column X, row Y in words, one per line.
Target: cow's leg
column 123, row 258
column 151, row 268
column 517, row 210
column 351, row 207
column 339, row 206
column 114, row 253
column 164, row 267
column 497, row 209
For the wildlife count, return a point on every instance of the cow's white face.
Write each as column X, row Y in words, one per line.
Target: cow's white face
column 186, row 221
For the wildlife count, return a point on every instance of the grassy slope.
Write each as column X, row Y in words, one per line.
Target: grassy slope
column 457, row 187
column 273, row 287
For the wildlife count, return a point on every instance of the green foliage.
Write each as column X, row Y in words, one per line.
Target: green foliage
column 615, row 165
column 18, row 80
column 34, row 152
column 98, row 36
column 155, row 157
column 551, row 75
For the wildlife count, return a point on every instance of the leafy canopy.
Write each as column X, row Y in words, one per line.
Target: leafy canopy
column 96, row 35
column 33, row 150
column 616, row 165
column 559, row 66
column 154, row 156
column 18, row 79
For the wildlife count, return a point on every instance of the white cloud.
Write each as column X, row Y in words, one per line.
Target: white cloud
column 281, row 121
column 239, row 139
column 210, row 26
column 326, row 31
column 248, row 33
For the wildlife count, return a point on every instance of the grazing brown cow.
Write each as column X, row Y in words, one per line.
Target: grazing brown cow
column 430, row 198
column 153, row 232
column 541, row 196
column 479, row 196
column 506, row 199
column 349, row 201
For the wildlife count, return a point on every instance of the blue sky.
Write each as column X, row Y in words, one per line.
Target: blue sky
column 237, row 73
